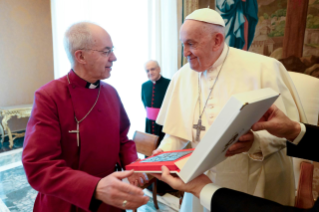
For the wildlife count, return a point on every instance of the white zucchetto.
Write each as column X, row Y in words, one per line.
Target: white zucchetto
column 206, row 15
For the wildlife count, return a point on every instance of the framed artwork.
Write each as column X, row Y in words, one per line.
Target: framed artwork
column 272, row 28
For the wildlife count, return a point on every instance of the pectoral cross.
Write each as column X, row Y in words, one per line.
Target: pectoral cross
column 77, row 131
column 199, row 127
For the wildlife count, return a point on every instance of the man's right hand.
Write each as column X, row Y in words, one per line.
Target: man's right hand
column 278, row 124
column 157, row 151
column 112, row 191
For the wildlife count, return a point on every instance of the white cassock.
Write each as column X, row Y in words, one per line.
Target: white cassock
column 263, row 171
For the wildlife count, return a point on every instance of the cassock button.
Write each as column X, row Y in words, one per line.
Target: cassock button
column 73, row 86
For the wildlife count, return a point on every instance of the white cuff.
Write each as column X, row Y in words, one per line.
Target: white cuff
column 301, row 134
column 206, row 194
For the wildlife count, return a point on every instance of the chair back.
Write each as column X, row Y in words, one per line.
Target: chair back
column 145, row 143
column 304, row 197
column 308, row 91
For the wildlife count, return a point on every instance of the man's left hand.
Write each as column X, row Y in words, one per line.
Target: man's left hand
column 243, row 144
column 138, row 179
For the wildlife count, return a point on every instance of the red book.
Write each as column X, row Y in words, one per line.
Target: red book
column 173, row 160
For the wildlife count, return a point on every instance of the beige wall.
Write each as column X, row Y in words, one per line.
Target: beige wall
column 26, row 52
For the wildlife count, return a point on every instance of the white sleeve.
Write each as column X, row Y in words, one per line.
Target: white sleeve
column 260, row 149
column 171, row 142
column 206, row 194
column 301, row 134
column 275, row 76
column 265, row 144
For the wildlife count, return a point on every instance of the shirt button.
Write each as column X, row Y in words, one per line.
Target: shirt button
column 210, row 97
column 211, row 117
column 211, row 106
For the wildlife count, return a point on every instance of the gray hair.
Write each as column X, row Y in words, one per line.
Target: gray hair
column 78, row 36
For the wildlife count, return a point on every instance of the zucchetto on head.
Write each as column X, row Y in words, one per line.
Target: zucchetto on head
column 206, row 15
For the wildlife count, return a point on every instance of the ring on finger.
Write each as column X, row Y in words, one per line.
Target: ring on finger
column 124, row 203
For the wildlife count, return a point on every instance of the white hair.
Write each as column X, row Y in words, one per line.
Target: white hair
column 213, row 28
column 78, row 36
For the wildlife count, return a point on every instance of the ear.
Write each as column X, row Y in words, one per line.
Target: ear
column 218, row 40
column 79, row 56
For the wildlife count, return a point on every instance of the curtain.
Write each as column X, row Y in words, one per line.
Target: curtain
column 140, row 30
column 163, row 35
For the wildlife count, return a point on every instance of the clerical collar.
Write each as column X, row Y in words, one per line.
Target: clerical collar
column 75, row 79
column 221, row 58
column 154, row 82
column 92, row 85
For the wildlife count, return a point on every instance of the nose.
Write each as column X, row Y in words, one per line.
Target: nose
column 112, row 57
column 186, row 51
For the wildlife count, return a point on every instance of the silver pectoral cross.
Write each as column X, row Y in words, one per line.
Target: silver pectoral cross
column 77, row 131
column 199, row 127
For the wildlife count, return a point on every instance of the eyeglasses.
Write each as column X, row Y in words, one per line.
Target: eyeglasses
column 106, row 52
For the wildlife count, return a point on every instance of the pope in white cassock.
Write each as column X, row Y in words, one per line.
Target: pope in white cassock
column 257, row 164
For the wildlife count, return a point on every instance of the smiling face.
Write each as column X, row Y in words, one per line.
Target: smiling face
column 152, row 70
column 199, row 43
column 98, row 63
